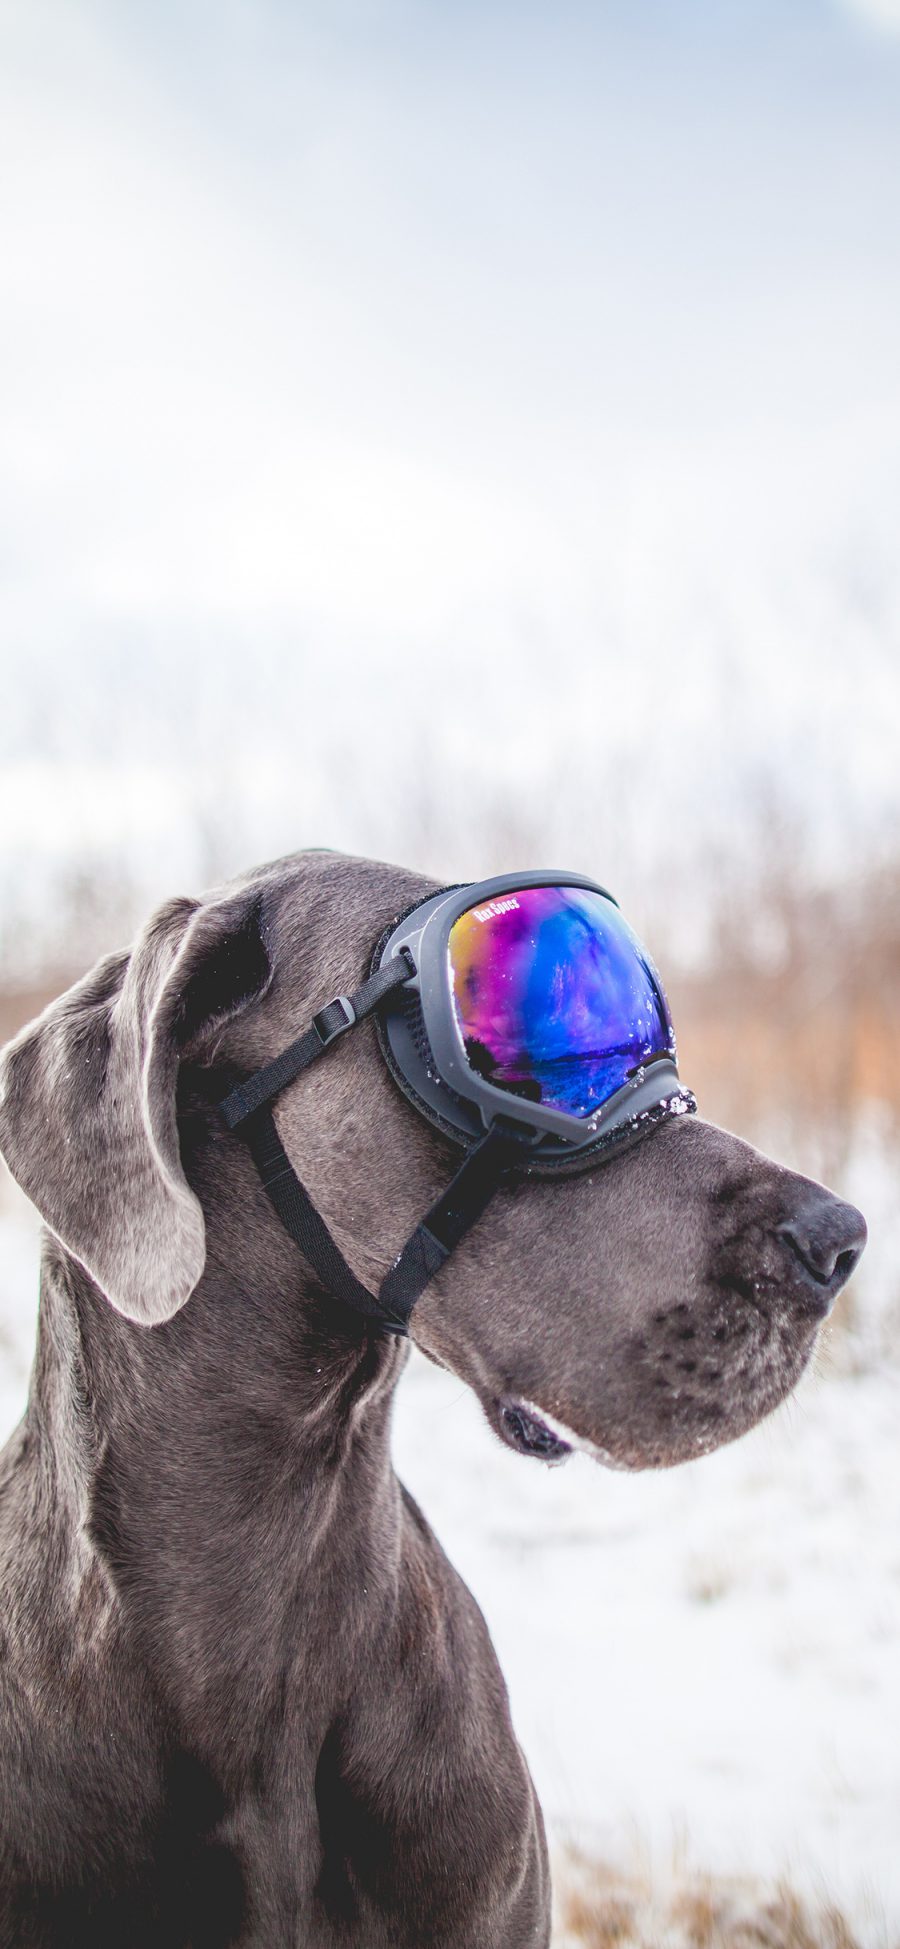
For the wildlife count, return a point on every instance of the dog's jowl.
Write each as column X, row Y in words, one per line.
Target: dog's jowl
column 244, row 1698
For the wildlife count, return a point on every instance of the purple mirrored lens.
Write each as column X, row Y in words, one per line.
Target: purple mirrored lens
column 555, row 998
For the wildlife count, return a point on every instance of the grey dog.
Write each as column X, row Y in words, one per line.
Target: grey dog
column 244, row 1698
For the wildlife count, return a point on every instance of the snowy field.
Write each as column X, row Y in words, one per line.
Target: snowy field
column 704, row 1665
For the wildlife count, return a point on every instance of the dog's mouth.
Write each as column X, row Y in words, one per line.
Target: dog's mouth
column 533, row 1430
column 526, row 1429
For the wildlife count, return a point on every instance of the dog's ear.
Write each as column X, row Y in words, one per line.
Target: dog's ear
column 87, row 1098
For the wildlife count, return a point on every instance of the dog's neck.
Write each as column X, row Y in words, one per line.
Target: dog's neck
column 231, row 1466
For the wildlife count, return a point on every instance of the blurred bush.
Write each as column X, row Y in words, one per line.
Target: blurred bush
column 792, row 1025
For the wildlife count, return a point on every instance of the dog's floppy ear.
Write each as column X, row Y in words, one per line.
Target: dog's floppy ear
column 87, row 1099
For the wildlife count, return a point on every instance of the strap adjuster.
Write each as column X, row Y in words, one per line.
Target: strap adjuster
column 328, row 1030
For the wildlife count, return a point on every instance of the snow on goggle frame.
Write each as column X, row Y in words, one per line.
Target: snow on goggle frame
column 533, row 1000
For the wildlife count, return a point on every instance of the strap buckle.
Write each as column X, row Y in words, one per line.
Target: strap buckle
column 327, row 1030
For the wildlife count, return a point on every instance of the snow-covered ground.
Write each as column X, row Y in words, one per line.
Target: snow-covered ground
column 706, row 1660
column 703, row 1663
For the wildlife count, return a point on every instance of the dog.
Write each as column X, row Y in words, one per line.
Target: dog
column 244, row 1698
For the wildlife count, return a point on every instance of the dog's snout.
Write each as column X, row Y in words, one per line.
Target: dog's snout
column 828, row 1238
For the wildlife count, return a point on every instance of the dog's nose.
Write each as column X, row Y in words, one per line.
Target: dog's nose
column 828, row 1237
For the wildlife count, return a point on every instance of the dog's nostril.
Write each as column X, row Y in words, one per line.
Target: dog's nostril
column 828, row 1238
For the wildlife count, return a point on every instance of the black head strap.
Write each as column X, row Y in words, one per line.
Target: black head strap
column 467, row 1195
column 247, row 1110
column 333, row 1020
column 424, row 1252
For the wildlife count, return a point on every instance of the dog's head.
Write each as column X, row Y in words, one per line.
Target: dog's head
column 647, row 1309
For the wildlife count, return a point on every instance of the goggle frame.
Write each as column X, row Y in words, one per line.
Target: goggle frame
column 441, row 1083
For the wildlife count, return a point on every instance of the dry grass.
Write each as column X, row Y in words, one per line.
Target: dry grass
column 797, row 1016
column 598, row 1907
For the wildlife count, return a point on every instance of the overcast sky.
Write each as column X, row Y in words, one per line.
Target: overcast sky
column 516, row 384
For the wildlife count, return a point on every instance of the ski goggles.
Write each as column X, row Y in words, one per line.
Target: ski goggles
column 525, row 1020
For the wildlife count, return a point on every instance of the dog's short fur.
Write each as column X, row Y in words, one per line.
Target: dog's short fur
column 244, row 1699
